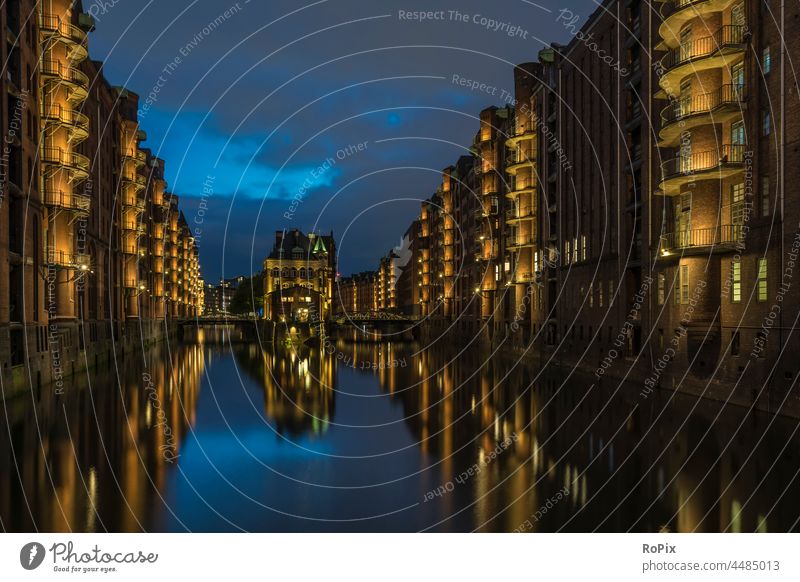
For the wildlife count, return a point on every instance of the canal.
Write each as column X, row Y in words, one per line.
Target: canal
column 219, row 436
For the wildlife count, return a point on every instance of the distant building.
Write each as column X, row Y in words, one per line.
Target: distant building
column 409, row 278
column 299, row 277
column 217, row 298
column 374, row 290
column 358, row 293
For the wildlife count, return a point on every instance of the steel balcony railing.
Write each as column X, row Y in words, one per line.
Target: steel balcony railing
column 706, row 103
column 76, row 121
column 521, row 241
column 725, row 37
column 689, row 164
column 67, row 259
column 53, row 26
column 67, row 73
column 136, row 204
column 75, row 202
column 73, row 161
column 726, row 235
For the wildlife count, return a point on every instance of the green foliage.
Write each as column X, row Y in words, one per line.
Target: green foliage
column 249, row 297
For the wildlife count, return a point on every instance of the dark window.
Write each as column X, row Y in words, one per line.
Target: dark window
column 735, row 343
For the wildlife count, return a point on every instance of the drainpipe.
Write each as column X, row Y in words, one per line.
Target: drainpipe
column 650, row 263
column 782, row 170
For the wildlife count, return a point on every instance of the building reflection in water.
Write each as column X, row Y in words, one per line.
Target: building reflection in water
column 515, row 448
column 96, row 457
column 671, row 463
column 299, row 385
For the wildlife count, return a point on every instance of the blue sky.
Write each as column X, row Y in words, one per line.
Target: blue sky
column 275, row 90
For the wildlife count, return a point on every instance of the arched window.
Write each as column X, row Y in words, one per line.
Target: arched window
column 310, row 273
column 285, row 273
column 302, row 272
column 276, row 272
column 294, row 273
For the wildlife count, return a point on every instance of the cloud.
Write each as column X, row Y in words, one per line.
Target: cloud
column 194, row 149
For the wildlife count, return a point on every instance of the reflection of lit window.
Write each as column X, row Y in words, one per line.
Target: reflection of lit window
column 736, row 517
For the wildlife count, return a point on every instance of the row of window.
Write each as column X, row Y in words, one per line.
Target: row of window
column 682, row 291
column 762, row 285
column 287, row 273
column 575, row 250
column 596, row 291
column 290, row 285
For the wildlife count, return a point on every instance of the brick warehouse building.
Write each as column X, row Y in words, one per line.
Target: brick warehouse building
column 299, row 277
column 90, row 243
column 641, row 226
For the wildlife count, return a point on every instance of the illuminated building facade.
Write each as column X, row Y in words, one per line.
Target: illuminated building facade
column 79, row 222
column 299, row 276
column 640, row 208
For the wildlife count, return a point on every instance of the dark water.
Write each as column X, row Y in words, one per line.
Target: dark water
column 216, row 437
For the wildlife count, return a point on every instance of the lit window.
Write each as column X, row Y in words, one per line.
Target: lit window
column 575, row 250
column 766, row 61
column 583, row 247
column 600, row 294
column 736, row 281
column 683, row 285
column 762, row 279
column 591, row 297
column 567, row 253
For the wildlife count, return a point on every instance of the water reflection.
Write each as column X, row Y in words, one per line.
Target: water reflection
column 96, row 457
column 298, row 387
column 366, row 436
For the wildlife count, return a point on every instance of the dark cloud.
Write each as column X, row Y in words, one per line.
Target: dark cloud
column 261, row 107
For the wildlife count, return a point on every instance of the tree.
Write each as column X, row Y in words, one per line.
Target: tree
column 249, row 296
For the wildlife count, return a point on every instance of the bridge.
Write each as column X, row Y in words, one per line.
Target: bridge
column 226, row 329
column 366, row 326
column 374, row 316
